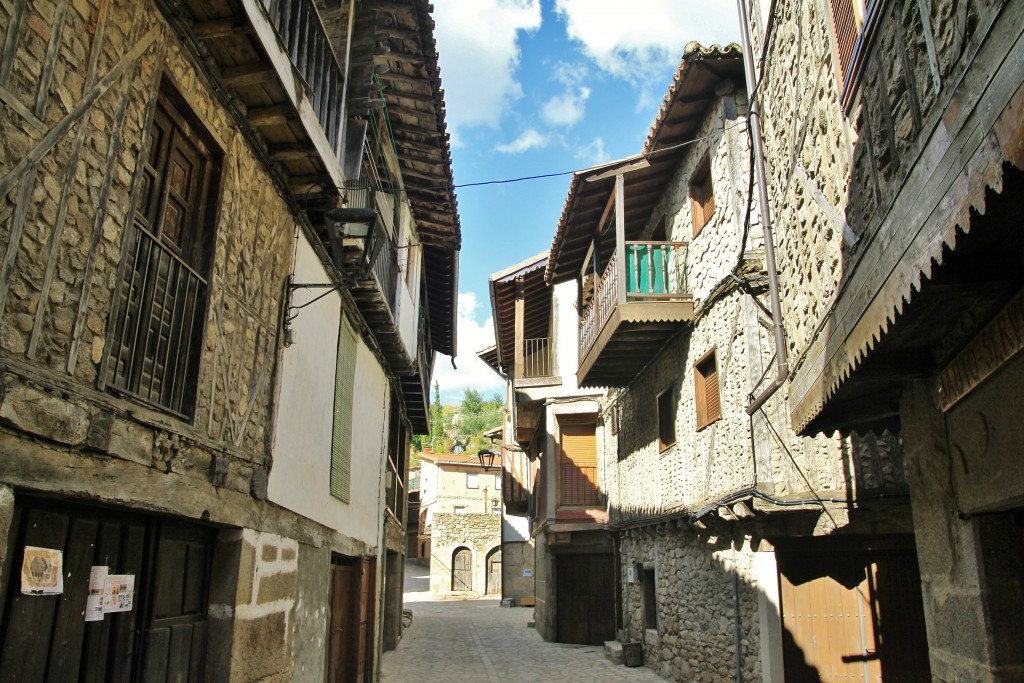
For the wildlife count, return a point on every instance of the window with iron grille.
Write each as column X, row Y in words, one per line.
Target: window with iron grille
column 702, row 196
column 162, row 298
column 709, row 406
column 666, row 420
column 853, row 22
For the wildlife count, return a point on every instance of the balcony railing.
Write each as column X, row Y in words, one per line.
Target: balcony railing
column 655, row 271
column 302, row 35
column 538, row 359
column 385, row 268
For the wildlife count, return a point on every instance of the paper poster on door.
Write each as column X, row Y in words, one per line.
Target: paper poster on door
column 118, row 593
column 97, row 585
column 42, row 571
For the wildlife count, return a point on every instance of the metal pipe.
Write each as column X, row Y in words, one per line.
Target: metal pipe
column 757, row 147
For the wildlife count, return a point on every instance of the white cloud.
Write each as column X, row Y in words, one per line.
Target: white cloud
column 626, row 39
column 478, row 49
column 592, row 153
column 527, row 140
column 567, row 109
column 472, row 373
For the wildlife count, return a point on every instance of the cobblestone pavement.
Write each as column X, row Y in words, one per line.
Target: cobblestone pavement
column 478, row 640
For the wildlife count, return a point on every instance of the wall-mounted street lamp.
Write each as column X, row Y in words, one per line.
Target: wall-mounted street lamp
column 357, row 220
column 486, row 456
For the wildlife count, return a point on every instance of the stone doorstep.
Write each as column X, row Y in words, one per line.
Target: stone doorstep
column 613, row 651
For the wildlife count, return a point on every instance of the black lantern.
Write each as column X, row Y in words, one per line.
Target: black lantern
column 487, row 456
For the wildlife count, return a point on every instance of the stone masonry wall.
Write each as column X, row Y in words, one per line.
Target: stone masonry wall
column 65, row 203
column 479, row 533
column 697, row 619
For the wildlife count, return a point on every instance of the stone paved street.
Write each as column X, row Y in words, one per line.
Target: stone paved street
column 478, row 640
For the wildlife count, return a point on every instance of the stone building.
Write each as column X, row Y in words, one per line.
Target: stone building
column 556, row 548
column 719, row 517
column 464, row 555
column 894, row 146
column 207, row 393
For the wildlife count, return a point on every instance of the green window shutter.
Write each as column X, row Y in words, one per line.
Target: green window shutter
column 341, row 438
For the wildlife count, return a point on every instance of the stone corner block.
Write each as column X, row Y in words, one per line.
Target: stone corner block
column 44, row 415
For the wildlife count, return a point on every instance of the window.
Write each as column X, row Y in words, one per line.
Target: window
column 578, row 474
column 472, row 480
column 702, row 196
column 709, row 407
column 161, row 300
column 460, row 509
column 341, row 435
column 852, row 26
column 650, row 598
column 666, row 419
column 497, row 481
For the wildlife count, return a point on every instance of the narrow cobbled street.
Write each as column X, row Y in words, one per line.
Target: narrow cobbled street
column 478, row 640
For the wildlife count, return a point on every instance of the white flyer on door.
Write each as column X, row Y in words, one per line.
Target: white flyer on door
column 97, row 587
column 118, row 593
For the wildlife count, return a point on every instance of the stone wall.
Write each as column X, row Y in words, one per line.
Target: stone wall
column 64, row 221
column 481, row 534
column 700, row 583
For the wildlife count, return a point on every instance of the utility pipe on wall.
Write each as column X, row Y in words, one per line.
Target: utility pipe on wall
column 754, row 117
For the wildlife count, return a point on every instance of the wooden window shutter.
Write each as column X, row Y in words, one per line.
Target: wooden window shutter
column 709, row 405
column 845, row 25
column 341, row 437
column 579, row 464
column 702, row 196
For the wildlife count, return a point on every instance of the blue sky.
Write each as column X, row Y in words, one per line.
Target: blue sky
column 536, row 87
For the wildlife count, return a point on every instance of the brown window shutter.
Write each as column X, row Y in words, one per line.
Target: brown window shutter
column 579, row 464
column 844, row 23
column 709, row 406
column 702, row 196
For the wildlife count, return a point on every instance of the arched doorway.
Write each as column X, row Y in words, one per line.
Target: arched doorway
column 462, row 570
column 494, row 572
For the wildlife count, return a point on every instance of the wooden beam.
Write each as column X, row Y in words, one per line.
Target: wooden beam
column 271, row 115
column 291, row 152
column 247, row 74
column 221, row 28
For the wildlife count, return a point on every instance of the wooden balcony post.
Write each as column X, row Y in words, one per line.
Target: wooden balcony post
column 519, row 359
column 620, row 235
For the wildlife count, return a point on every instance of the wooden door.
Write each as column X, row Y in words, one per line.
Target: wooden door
column 46, row 638
column 462, row 570
column 494, row 572
column 350, row 641
column 852, row 617
column 585, row 599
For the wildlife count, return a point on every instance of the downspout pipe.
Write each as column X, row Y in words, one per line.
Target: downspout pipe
column 757, row 146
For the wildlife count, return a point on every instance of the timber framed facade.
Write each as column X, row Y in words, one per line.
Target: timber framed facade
column 165, row 168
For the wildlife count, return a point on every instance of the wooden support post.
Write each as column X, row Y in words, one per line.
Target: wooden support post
column 620, row 234
column 520, row 329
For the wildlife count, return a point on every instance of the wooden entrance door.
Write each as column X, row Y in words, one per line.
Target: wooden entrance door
column 462, row 570
column 852, row 617
column 163, row 637
column 585, row 599
column 494, row 572
column 350, row 654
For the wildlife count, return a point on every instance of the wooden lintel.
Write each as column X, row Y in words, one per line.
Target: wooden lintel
column 271, row 115
column 291, row 152
column 247, row 74
column 221, row 28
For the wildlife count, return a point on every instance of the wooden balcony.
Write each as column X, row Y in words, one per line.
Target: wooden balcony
column 633, row 312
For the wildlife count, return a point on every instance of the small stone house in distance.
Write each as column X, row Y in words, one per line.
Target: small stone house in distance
column 460, row 513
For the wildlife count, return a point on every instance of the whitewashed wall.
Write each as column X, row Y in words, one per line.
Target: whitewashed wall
column 300, row 476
